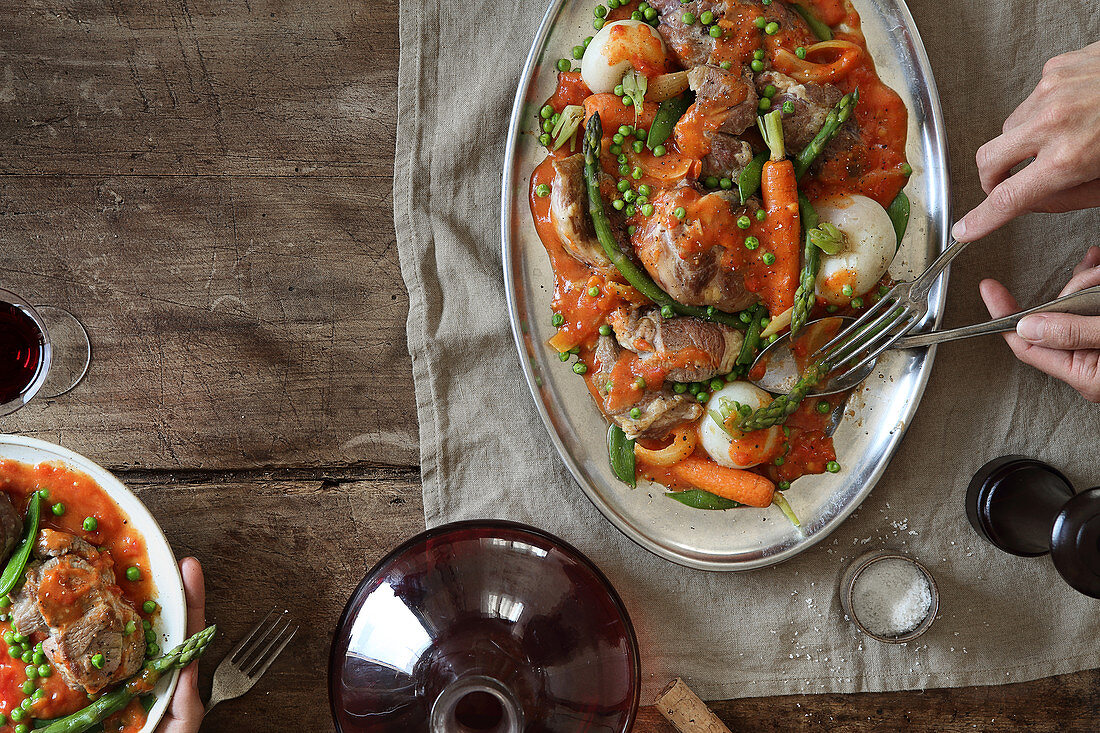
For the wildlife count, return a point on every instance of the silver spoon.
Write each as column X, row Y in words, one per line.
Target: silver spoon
column 783, row 369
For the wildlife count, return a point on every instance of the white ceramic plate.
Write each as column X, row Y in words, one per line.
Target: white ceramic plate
column 879, row 412
column 166, row 575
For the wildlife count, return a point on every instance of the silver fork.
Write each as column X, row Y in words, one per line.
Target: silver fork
column 893, row 316
column 246, row 662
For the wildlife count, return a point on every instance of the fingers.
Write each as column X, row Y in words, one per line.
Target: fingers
column 998, row 156
column 1083, row 277
column 1091, row 259
column 1012, row 197
column 1083, row 196
column 1063, row 331
column 186, row 710
column 195, row 591
column 1001, row 303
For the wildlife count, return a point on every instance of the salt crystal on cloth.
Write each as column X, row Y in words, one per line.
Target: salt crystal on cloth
column 485, row 453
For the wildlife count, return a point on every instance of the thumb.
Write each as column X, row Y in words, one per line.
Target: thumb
column 1060, row 331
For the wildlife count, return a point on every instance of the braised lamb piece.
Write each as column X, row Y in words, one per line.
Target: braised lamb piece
column 11, row 527
column 569, row 209
column 71, row 595
column 687, row 349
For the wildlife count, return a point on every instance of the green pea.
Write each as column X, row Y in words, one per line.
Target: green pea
column 18, row 638
column 769, row 91
column 857, row 302
column 31, row 671
column 27, row 656
column 764, row 104
column 622, row 186
column 760, row 22
column 44, row 670
column 780, row 460
column 5, row 601
column 727, row 65
column 715, row 31
column 758, row 54
column 761, row 215
column 667, row 312
column 659, row 150
column 788, row 107
column 751, row 242
column 593, row 292
column 38, row 658
column 17, row 714
column 783, row 485
column 618, row 204
column 906, row 169
column 756, row 65
column 3, row 719
column 832, row 467
column 28, row 687
column 706, row 17
column 97, row 661
column 617, row 139
column 599, row 11
column 544, row 140
column 546, row 112
column 39, row 648
column 716, row 384
column 725, row 184
column 563, row 356
column 587, row 41
column 615, row 149
column 641, row 133
column 618, row 90
column 8, row 637
column 556, row 320
column 636, row 173
column 644, row 190
column 579, row 368
column 629, row 196
column 578, row 52
column 771, row 28
column 15, row 651
column 621, row 160
column 743, row 222
column 847, row 290
column 703, row 396
column 637, row 146
column 695, row 388
column 44, row 494
column 711, row 182
column 630, row 210
column 133, row 573
column 22, row 728
column 679, row 212
column 800, row 52
column 641, row 200
column 635, row 413
column 542, row 191
column 150, row 636
column 647, row 210
column 631, row 229
column 768, row 258
column 90, row 524
column 688, row 18
column 679, row 388
column 745, row 316
column 598, row 23
column 605, row 330
column 38, row 695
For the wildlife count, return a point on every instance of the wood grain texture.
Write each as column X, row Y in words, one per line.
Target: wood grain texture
column 208, row 186
column 207, row 183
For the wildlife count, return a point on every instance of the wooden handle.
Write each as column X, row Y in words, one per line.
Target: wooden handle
column 686, row 711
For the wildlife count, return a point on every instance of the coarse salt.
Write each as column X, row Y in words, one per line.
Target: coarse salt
column 891, row 597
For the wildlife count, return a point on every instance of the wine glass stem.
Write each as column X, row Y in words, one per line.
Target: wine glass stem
column 476, row 704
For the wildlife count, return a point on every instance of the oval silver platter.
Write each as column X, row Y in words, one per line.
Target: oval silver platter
column 877, row 414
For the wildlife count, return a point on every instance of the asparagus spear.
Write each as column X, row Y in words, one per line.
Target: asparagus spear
column 805, row 295
column 634, row 275
column 783, row 406
column 837, row 116
column 139, row 684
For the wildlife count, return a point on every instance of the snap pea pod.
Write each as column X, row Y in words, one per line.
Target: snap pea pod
column 85, row 719
column 13, row 571
column 898, row 210
column 620, row 450
column 634, row 274
column 752, row 337
column 664, row 122
column 805, row 296
column 817, row 26
column 748, row 182
column 699, row 499
column 837, row 116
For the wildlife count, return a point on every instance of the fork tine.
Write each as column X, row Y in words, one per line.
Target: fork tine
column 248, row 657
column 867, row 333
column 878, row 350
column 255, row 639
column 867, row 317
column 248, row 637
column 255, row 673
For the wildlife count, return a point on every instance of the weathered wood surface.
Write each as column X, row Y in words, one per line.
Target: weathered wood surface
column 208, row 185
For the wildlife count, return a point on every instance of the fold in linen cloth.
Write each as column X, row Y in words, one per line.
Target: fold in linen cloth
column 778, row 630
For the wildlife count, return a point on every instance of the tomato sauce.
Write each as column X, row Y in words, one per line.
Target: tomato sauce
column 872, row 164
column 120, row 546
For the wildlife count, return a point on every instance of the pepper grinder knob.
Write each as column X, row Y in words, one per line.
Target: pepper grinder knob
column 1026, row 507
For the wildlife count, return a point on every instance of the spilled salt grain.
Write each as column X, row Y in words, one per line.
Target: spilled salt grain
column 891, row 597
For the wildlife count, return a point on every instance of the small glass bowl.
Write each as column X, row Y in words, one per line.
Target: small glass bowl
column 848, row 581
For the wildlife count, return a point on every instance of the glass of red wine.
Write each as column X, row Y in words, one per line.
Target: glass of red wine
column 484, row 627
column 43, row 351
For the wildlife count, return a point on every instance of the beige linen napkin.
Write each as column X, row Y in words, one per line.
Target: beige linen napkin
column 485, row 453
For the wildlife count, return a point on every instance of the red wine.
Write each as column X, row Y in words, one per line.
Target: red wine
column 22, row 344
column 484, row 627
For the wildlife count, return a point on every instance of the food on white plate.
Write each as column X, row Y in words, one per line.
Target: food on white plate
column 717, row 172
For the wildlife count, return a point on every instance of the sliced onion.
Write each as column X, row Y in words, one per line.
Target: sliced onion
column 667, row 86
column 806, row 70
column 683, row 443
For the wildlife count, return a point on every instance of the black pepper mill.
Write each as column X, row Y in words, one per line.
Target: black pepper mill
column 1028, row 508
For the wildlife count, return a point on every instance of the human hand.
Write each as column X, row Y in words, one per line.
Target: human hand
column 1064, row 346
column 1059, row 126
column 186, row 709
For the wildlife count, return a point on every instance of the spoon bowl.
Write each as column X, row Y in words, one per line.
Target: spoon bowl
column 781, row 363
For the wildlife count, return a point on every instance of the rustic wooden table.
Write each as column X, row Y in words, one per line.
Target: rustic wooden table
column 207, row 184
